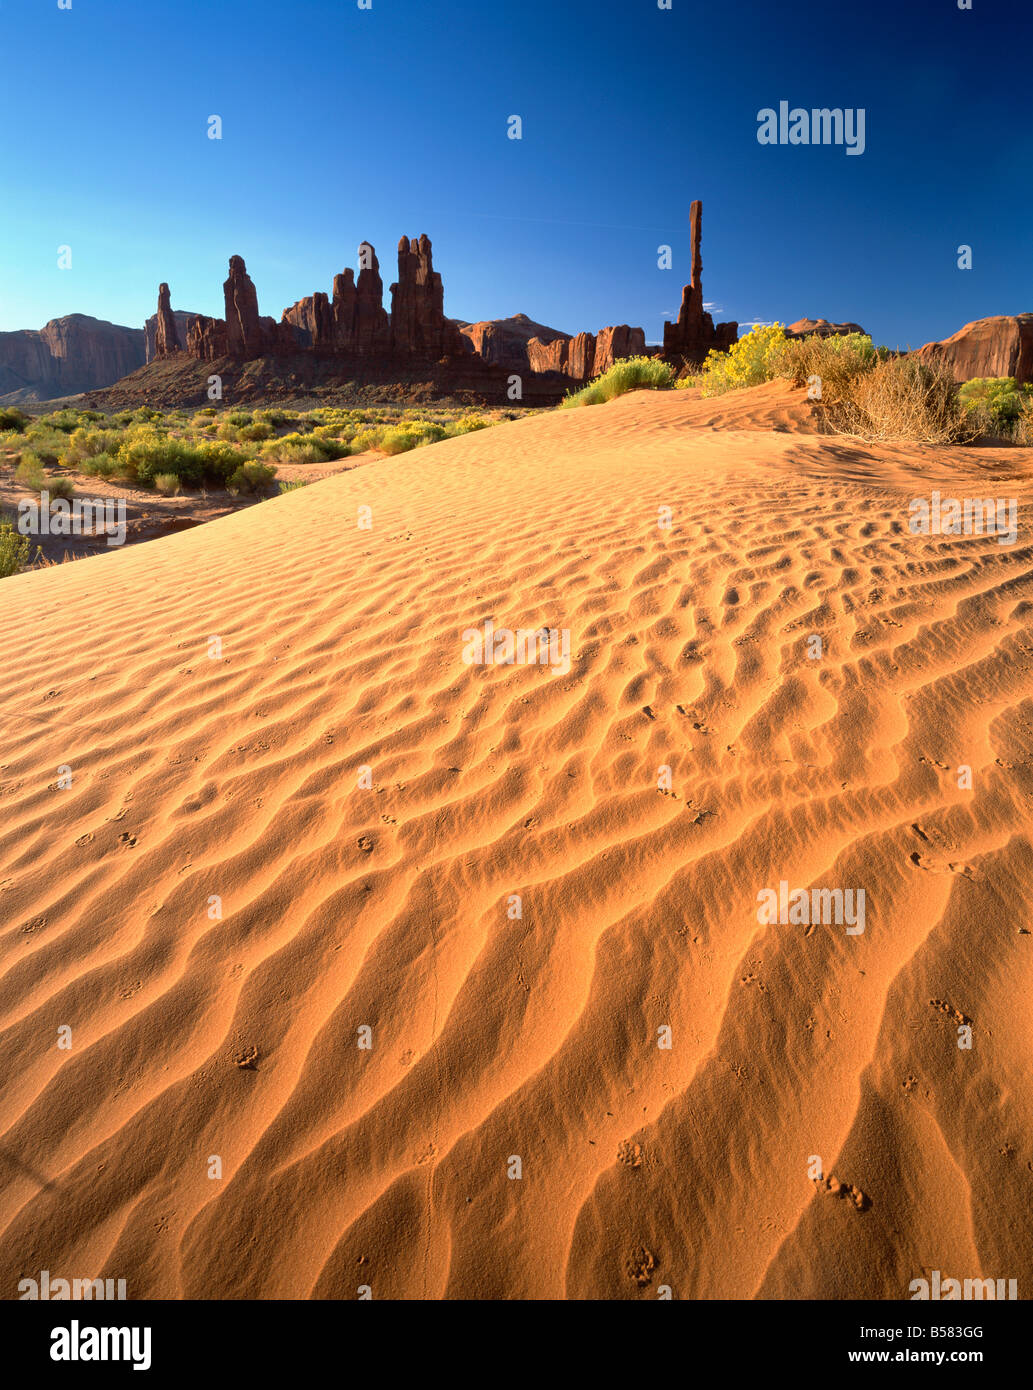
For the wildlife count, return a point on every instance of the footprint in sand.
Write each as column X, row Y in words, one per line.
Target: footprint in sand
column 834, row 1188
column 639, row 1265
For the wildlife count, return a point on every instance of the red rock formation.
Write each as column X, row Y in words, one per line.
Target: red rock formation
column 820, row 328
column 372, row 325
column 206, row 338
column 999, row 346
column 614, row 343
column 505, row 341
column 243, row 331
column 344, row 308
column 548, row 357
column 183, row 319
column 418, row 323
column 694, row 334
column 71, row 354
column 166, row 338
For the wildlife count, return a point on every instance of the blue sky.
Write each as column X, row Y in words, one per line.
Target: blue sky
column 341, row 124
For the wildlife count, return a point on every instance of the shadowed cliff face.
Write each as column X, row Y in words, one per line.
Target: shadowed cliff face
column 68, row 355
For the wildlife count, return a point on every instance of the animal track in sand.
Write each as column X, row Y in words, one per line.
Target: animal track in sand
column 639, row 1265
column 834, row 1188
column 951, row 1011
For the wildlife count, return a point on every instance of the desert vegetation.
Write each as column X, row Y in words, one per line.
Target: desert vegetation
column 628, row 374
column 239, row 450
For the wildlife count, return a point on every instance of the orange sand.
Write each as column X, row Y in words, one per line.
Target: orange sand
column 496, row 1036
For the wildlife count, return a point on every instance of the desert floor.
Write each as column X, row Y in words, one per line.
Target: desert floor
column 227, row 777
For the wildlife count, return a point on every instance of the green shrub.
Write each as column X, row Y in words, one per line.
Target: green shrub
column 252, row 478
column 274, row 417
column 304, row 448
column 101, row 466
column 293, row 486
column 994, row 404
column 466, row 424
column 147, row 452
column 60, row 487
column 238, row 417
column 64, row 420
column 14, row 550
column 259, row 430
column 749, row 362
column 11, row 418
column 167, row 484
column 30, row 471
column 86, row 443
column 627, row 374
column 398, row 439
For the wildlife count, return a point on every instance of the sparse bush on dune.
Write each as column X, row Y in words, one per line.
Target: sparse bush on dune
column 399, row 439
column 627, row 374
column 837, row 360
column 14, row 550
column 293, row 485
column 902, row 399
column 749, row 362
column 466, row 424
column 167, row 484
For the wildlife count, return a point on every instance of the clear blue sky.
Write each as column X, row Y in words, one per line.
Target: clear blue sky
column 341, row 124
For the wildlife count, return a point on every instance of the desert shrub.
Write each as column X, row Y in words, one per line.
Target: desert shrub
column 11, row 418
column 167, row 484
column 147, row 452
column 64, row 420
column 101, row 466
column 252, row 478
column 749, row 362
column 684, row 382
column 838, row 360
column 305, row 448
column 206, row 410
column 398, row 439
column 60, row 487
column 239, row 417
column 14, row 550
column 86, row 443
column 255, row 432
column 294, row 485
column 627, row 374
column 369, row 438
column 273, row 416
column 90, row 417
column 466, row 424
column 47, row 444
column 904, row 399
column 995, row 404
column 30, row 471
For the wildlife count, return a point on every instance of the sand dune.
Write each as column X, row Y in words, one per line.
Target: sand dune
column 236, row 776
